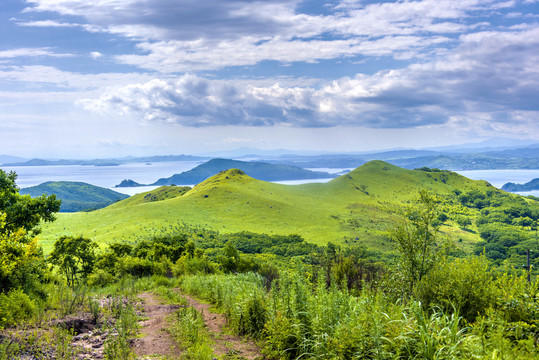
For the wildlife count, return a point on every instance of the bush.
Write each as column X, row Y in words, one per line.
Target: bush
column 269, row 274
column 16, row 306
column 464, row 284
column 135, row 266
column 192, row 266
column 100, row 278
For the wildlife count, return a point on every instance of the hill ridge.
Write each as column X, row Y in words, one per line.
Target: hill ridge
column 359, row 206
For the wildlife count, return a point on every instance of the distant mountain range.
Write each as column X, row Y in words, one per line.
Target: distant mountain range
column 509, row 154
column 76, row 196
column 522, row 158
column 13, row 161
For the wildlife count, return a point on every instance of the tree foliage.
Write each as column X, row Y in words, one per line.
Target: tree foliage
column 21, row 260
column 416, row 239
column 75, row 256
column 23, row 211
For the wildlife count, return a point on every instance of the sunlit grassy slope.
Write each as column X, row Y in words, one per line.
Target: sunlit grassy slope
column 359, row 207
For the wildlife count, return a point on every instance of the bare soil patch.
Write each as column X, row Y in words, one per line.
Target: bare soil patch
column 155, row 339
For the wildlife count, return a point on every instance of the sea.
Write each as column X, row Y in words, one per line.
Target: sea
column 498, row 178
column 148, row 173
column 103, row 176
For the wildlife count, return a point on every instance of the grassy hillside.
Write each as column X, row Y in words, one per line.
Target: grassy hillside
column 159, row 194
column 76, row 196
column 255, row 169
column 359, row 207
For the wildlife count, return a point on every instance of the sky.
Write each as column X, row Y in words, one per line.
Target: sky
column 109, row 78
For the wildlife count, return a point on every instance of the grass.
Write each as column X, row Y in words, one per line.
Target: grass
column 362, row 204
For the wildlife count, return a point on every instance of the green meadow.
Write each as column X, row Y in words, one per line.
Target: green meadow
column 359, row 207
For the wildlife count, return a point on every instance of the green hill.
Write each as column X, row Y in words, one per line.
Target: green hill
column 258, row 170
column 529, row 186
column 159, row 194
column 359, row 207
column 76, row 196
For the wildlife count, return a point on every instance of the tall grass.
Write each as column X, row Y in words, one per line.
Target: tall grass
column 189, row 332
column 298, row 320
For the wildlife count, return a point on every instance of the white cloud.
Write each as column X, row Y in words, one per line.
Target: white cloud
column 31, row 52
column 96, row 54
column 492, row 73
column 458, row 65
column 189, row 35
column 45, row 23
column 34, row 76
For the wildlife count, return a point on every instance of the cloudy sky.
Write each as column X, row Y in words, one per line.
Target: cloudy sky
column 94, row 78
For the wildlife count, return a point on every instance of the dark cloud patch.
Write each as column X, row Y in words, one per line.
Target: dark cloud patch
column 183, row 20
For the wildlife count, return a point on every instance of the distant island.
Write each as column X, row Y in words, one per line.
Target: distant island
column 258, row 170
column 128, row 183
column 76, row 196
column 529, row 186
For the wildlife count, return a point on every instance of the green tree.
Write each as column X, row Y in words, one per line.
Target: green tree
column 463, row 221
column 23, row 211
column 416, row 240
column 21, row 260
column 75, row 256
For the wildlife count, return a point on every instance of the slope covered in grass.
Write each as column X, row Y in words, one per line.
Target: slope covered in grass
column 159, row 194
column 359, row 207
column 76, row 196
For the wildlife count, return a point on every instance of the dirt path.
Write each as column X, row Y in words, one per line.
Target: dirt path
column 224, row 343
column 155, row 339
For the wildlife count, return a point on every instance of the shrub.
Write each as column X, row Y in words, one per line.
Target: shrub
column 16, row 306
column 464, row 284
column 269, row 274
column 192, row 266
column 135, row 266
column 100, row 278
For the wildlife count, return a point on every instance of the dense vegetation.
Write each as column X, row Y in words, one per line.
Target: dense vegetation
column 76, row 196
column 427, row 299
